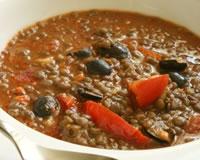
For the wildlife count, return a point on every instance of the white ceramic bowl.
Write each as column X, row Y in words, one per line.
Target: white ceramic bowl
column 16, row 14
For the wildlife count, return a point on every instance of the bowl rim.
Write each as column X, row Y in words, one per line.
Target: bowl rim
column 53, row 143
column 57, row 144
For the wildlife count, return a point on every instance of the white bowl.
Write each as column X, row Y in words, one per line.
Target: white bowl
column 16, row 14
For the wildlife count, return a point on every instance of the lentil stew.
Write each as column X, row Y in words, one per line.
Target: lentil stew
column 105, row 79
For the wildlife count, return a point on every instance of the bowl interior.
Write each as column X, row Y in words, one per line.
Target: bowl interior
column 17, row 14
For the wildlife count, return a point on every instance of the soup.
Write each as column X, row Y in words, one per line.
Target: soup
column 105, row 79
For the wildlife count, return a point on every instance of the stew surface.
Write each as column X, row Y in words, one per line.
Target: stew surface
column 105, row 79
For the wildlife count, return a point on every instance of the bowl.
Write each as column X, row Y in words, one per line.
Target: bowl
column 17, row 14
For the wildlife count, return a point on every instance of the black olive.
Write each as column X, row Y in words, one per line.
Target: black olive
column 85, row 93
column 84, row 53
column 172, row 65
column 99, row 67
column 178, row 78
column 45, row 106
column 116, row 50
column 159, row 131
column 160, row 134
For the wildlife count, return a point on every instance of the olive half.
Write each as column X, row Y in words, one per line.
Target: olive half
column 98, row 67
column 172, row 65
column 83, row 53
column 116, row 50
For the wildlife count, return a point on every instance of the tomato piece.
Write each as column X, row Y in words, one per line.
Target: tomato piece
column 193, row 125
column 79, row 77
column 150, row 53
column 112, row 123
column 145, row 92
column 25, row 99
column 130, row 43
column 66, row 101
column 19, row 91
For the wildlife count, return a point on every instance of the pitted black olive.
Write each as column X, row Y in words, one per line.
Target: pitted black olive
column 158, row 131
column 45, row 106
column 172, row 65
column 84, row 93
column 84, row 53
column 160, row 134
column 99, row 67
column 178, row 78
column 116, row 50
